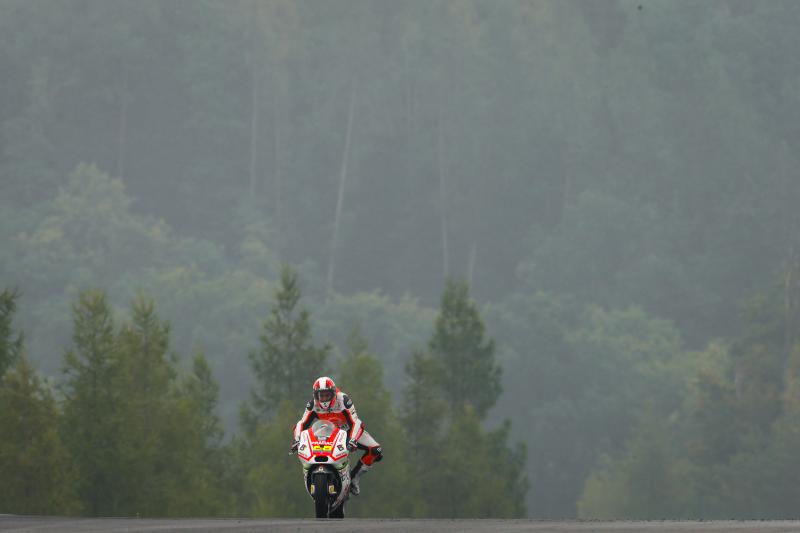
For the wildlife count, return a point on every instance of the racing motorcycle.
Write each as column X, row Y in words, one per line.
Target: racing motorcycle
column 324, row 452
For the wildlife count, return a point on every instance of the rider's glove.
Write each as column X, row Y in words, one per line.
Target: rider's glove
column 295, row 445
column 352, row 445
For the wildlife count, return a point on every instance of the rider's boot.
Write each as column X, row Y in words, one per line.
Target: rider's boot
column 355, row 474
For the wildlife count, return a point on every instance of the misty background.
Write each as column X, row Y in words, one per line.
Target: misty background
column 616, row 182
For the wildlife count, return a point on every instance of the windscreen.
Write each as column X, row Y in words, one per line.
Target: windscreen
column 322, row 429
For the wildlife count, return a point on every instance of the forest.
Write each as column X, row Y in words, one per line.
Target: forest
column 566, row 231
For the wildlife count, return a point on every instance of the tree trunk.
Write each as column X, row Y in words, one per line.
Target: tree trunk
column 409, row 118
column 254, row 107
column 791, row 295
column 442, row 193
column 276, row 160
column 340, row 195
column 473, row 252
column 122, row 134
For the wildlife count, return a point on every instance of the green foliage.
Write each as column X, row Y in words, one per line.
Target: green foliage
column 202, row 390
column 759, row 358
column 35, row 466
column 149, row 434
column 272, row 480
column 170, row 436
column 225, row 311
column 644, row 485
column 597, row 238
column 482, row 475
column 89, row 234
column 773, row 472
column 580, row 377
column 91, row 424
column 424, row 419
column 390, row 326
column 145, row 441
column 285, row 366
column 715, row 431
column 585, row 167
column 198, row 480
column 726, row 451
column 423, row 406
column 287, row 361
column 443, row 421
column 10, row 344
column 466, row 369
column 387, row 493
column 600, row 171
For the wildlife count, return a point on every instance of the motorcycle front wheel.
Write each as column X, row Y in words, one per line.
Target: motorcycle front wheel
column 321, row 495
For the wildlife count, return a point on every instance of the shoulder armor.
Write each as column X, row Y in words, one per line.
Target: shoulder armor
column 348, row 403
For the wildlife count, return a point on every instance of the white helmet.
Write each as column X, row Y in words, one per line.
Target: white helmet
column 324, row 392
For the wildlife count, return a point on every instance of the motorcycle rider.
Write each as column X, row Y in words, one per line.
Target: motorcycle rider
column 331, row 404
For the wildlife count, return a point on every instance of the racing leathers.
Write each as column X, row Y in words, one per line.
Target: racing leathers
column 343, row 414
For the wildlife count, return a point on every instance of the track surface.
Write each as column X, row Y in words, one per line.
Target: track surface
column 117, row 525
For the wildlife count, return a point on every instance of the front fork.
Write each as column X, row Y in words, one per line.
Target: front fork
column 344, row 478
column 305, row 481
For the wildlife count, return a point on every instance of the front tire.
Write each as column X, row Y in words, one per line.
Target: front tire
column 321, row 495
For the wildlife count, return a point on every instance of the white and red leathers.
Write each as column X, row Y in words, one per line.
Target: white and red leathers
column 342, row 412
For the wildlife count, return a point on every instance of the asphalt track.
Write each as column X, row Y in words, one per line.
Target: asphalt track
column 30, row 524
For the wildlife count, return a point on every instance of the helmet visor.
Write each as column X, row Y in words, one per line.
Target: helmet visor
column 325, row 395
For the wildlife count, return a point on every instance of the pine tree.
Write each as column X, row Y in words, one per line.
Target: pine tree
column 285, row 366
column 170, row 452
column 426, row 427
column 203, row 390
column 37, row 472
column 287, row 362
column 493, row 485
column 205, row 487
column 449, row 392
column 387, row 493
column 273, row 480
column 38, row 476
column 91, row 409
column 209, row 460
column 158, row 443
column 361, row 377
column 424, row 407
column 465, row 361
column 149, row 417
